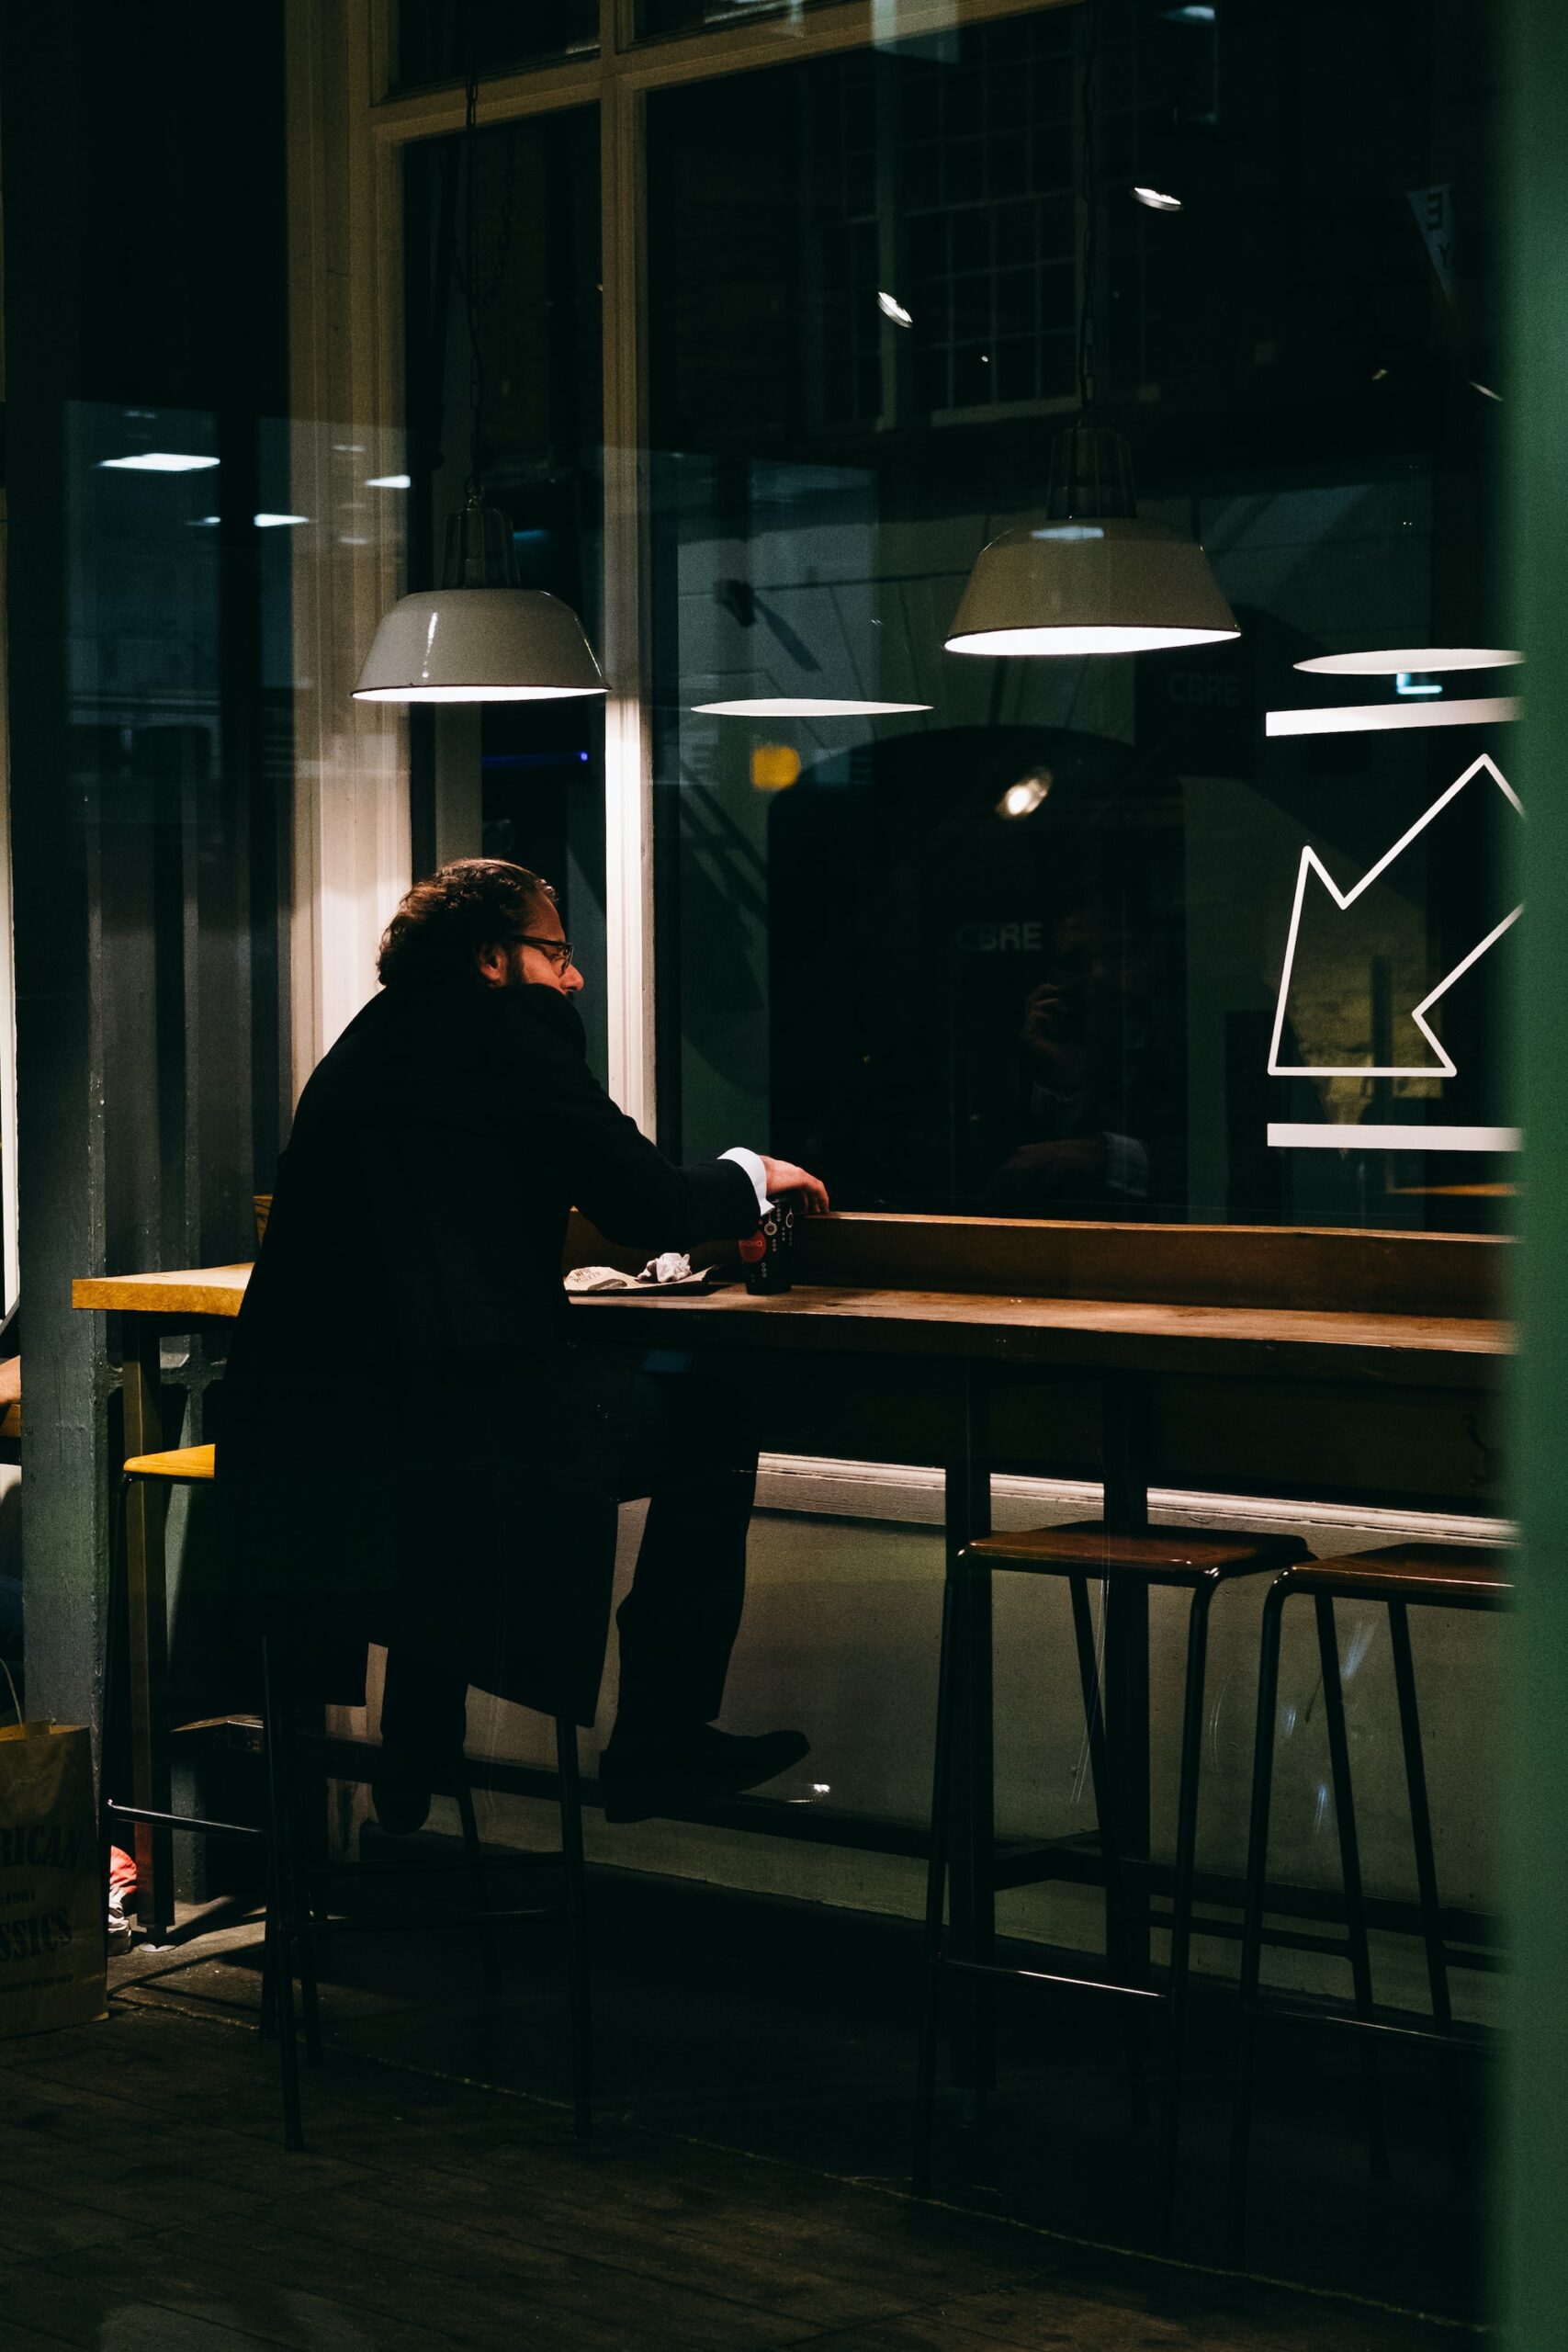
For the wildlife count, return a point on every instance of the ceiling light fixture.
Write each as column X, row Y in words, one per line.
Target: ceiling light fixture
column 1391, row 662
column 1155, row 199
column 1023, row 798
column 891, row 307
column 481, row 638
column 1095, row 577
column 803, row 707
column 157, row 461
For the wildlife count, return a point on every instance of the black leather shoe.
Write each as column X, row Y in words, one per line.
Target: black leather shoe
column 641, row 1776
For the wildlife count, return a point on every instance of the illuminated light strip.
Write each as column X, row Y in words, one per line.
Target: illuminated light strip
column 1319, row 1135
column 1367, row 717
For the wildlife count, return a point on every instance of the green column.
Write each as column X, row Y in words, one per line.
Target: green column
column 1533, row 2205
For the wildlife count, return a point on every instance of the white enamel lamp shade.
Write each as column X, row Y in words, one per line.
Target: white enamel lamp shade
column 1116, row 584
column 479, row 645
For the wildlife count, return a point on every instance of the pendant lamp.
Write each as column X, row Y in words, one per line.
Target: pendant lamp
column 479, row 636
column 1095, row 576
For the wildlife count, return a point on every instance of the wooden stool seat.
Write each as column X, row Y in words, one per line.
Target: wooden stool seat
column 1451, row 1576
column 1160, row 1555
column 190, row 1464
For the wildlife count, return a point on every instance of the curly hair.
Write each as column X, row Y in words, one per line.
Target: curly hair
column 453, row 915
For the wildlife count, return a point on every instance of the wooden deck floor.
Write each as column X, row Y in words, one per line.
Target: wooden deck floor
column 148, row 2207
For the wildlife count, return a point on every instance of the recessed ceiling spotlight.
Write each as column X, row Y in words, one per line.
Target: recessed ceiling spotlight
column 1023, row 798
column 275, row 522
column 157, row 461
column 891, row 307
column 1486, row 390
column 803, row 707
column 1153, row 200
column 390, row 482
column 1196, row 12
column 1408, row 660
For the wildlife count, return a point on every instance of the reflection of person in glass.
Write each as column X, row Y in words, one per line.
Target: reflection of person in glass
column 1082, row 1051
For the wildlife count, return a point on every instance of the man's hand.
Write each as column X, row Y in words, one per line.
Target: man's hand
column 784, row 1176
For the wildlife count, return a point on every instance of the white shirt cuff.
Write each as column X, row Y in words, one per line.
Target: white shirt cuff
column 754, row 1168
column 1127, row 1166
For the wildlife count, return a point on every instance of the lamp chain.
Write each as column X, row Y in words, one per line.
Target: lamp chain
column 1088, row 193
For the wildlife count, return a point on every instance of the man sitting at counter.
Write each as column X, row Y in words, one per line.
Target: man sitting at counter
column 415, row 1447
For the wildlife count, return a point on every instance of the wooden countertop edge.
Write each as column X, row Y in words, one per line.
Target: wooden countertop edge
column 1039, row 1328
column 997, row 1326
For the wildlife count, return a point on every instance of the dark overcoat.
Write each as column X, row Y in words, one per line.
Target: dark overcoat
column 401, row 1451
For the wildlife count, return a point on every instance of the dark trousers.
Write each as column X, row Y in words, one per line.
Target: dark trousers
column 689, row 1444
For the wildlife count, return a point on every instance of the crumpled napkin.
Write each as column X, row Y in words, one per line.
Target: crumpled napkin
column 671, row 1266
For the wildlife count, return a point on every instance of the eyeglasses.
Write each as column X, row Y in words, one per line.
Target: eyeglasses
column 558, row 950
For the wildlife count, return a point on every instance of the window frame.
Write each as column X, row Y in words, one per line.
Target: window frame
column 347, row 135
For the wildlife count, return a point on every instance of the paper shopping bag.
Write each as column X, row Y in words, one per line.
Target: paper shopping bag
column 51, row 1918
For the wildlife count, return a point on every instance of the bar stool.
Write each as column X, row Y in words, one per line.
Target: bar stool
column 292, row 1921
column 1198, row 1560
column 1406, row 1576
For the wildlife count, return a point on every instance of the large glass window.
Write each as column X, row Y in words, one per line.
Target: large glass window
column 180, row 691
column 519, row 780
column 444, row 41
column 1096, row 936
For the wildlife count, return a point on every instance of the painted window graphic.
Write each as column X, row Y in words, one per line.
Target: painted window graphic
column 1404, row 1044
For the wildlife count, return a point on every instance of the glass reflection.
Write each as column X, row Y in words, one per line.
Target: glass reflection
column 883, row 938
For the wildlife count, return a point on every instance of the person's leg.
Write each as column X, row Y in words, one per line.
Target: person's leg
column 424, row 1722
column 690, row 1445
column 425, row 1708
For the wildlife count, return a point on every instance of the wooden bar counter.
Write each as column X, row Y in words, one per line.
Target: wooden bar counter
column 1214, row 1360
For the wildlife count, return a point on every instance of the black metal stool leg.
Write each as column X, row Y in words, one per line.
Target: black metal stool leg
column 578, row 1987
column 269, row 1964
column 1426, row 1871
column 936, row 1901
column 1252, row 1916
column 1182, row 1900
column 1350, row 1869
column 281, row 1886
column 107, row 1737
column 489, row 1947
column 1110, row 1850
column 300, row 1896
